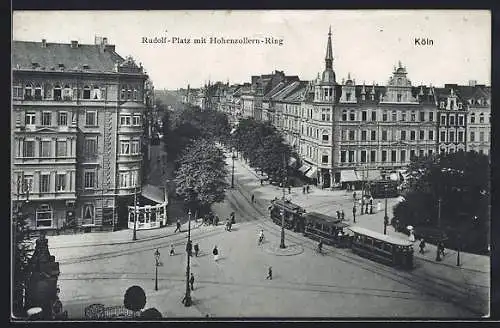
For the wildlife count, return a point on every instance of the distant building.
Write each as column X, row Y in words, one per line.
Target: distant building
column 77, row 133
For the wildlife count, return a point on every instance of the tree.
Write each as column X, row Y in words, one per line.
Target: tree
column 134, row 299
column 201, row 177
column 23, row 248
column 151, row 314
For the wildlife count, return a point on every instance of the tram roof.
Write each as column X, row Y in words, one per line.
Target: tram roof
column 287, row 205
column 379, row 236
column 325, row 219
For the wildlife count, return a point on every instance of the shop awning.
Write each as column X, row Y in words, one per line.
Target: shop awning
column 304, row 168
column 292, row 161
column 311, row 174
column 153, row 193
column 368, row 175
column 348, row 176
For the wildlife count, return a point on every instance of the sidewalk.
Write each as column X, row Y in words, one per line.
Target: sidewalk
column 328, row 202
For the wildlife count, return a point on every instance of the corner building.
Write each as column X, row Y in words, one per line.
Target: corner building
column 77, row 126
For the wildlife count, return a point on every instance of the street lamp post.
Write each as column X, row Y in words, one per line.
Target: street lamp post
column 187, row 298
column 232, row 171
column 282, row 244
column 386, row 218
column 157, row 264
column 134, row 236
column 458, row 250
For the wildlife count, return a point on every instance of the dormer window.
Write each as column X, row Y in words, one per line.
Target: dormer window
column 459, row 105
column 86, row 92
column 129, row 93
column 61, row 66
column 28, row 92
column 35, row 65
column 441, row 105
column 481, row 118
column 122, row 94
column 57, row 92
column 38, row 92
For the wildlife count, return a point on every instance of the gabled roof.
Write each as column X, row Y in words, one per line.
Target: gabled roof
column 298, row 92
column 271, row 93
column 27, row 53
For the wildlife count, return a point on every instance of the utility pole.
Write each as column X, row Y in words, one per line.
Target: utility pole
column 134, row 237
column 386, row 218
column 187, row 298
column 282, row 244
column 232, row 172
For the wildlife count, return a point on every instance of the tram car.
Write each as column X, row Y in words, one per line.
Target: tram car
column 327, row 228
column 294, row 219
column 387, row 249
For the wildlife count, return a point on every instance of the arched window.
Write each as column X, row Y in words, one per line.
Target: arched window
column 136, row 94
column 86, row 92
column 96, row 93
column 325, row 137
column 394, row 116
column 400, row 81
column 57, row 92
column 28, row 92
column 352, row 116
column 123, row 93
column 67, row 92
column 38, row 92
column 129, row 93
column 481, row 118
column 473, row 118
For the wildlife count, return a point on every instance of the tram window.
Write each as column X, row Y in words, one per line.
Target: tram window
column 317, row 226
column 378, row 244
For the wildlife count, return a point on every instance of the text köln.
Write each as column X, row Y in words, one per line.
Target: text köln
column 424, row 42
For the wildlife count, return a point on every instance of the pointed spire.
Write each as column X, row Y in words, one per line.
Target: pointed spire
column 349, row 75
column 373, row 88
column 363, row 91
column 329, row 51
column 399, row 64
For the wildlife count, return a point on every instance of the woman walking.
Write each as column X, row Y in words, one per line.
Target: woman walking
column 215, row 252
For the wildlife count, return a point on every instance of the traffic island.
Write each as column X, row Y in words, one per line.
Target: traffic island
column 292, row 249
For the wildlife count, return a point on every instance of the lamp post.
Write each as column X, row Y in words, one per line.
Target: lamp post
column 458, row 250
column 134, row 236
column 187, row 298
column 386, row 218
column 282, row 244
column 157, row 264
column 232, row 171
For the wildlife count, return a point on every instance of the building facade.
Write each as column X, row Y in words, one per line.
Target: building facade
column 77, row 133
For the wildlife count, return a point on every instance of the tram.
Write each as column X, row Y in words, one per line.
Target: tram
column 386, row 249
column 293, row 213
column 326, row 228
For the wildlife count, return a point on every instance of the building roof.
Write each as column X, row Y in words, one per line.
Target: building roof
column 98, row 58
column 298, row 93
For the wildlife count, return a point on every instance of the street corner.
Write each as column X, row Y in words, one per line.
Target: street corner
column 290, row 250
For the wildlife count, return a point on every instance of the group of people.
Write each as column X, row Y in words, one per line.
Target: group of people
column 230, row 221
column 305, row 189
column 211, row 219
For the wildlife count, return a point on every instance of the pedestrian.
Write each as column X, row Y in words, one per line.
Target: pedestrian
column 191, row 281
column 303, row 189
column 270, row 273
column 178, row 226
column 441, row 248
column 411, row 237
column 307, row 188
column 422, row 246
column 342, row 215
column 233, row 220
column 216, row 221
column 229, row 226
column 354, row 195
column 371, row 208
column 215, row 252
column 289, row 189
column 172, row 250
column 371, row 200
column 196, row 249
column 189, row 248
column 253, row 198
column 261, row 181
column 338, row 215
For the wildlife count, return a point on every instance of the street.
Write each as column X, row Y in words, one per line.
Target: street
column 338, row 284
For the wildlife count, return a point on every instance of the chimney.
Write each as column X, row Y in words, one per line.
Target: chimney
column 472, row 83
column 44, row 43
column 74, row 44
column 104, row 41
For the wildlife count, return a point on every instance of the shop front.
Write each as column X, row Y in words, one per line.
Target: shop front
column 152, row 216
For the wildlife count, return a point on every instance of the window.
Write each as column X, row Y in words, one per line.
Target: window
column 124, row 147
column 413, row 116
column 90, row 146
column 460, row 136
column 412, row 154
column 472, row 136
column 452, row 119
column 29, row 148
column 45, row 148
column 122, row 93
column 384, row 155
column 348, row 96
column 373, row 135
column 324, row 159
column 372, row 155
column 17, row 92
column 136, row 94
column 481, row 118
column 384, row 135
column 342, row 134
column 443, row 136
column 67, row 93
column 403, row 135
column 30, row 118
column 62, row 119
column 43, row 216
column 124, row 179
column 402, row 155
column 124, row 120
column 473, row 118
column 441, row 104
column 412, row 135
column 452, row 136
column 422, row 116
column 61, row 182
column 88, row 214
column 89, row 179
column 421, row 153
column 431, row 116
column 342, row 156
column 430, row 152
column 325, row 114
column 325, row 137
column 344, row 115
column 481, row 136
column 394, row 116
column 374, row 115
column 403, row 116
column 86, row 92
column 351, row 156
column 27, row 184
column 57, row 92
column 393, row 155
column 44, row 182
column 399, row 97
column 351, row 135
column 61, row 148
column 363, row 135
column 129, row 92
column 352, row 115
column 363, row 156
column 137, row 120
column 135, row 147
column 443, row 119
column 38, row 92
column 96, row 93
column 384, row 116
column 431, row 135
column 460, row 120
column 91, row 118
column 28, row 92
column 459, row 105
column 364, row 115
column 46, row 118
column 421, row 134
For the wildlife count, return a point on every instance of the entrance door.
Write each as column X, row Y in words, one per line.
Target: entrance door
column 326, row 179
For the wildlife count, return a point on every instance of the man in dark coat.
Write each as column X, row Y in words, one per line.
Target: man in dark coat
column 270, row 273
column 191, row 281
column 196, row 249
column 178, row 226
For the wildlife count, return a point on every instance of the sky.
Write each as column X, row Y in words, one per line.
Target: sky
column 366, row 43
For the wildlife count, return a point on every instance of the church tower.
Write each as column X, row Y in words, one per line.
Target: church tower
column 324, row 89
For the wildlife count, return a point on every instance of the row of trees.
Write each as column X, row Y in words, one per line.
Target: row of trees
column 450, row 192
column 262, row 146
